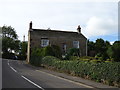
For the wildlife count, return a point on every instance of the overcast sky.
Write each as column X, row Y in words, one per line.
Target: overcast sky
column 97, row 19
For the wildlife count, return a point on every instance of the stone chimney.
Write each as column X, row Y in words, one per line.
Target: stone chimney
column 24, row 38
column 30, row 25
column 79, row 29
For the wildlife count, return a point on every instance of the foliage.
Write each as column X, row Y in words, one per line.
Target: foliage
column 8, row 31
column 72, row 52
column 103, row 50
column 100, row 46
column 91, row 48
column 106, row 72
column 110, row 52
column 23, row 51
column 57, row 51
column 116, row 51
column 52, row 50
column 38, row 53
column 10, row 42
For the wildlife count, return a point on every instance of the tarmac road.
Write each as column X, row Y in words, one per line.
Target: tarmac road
column 17, row 74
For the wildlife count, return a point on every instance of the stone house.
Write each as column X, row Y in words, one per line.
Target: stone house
column 64, row 39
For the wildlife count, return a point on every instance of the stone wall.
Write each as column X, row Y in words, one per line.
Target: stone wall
column 57, row 38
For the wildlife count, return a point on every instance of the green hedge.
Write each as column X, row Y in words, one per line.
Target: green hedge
column 38, row 53
column 106, row 72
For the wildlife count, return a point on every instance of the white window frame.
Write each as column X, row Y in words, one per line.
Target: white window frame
column 44, row 42
column 76, row 44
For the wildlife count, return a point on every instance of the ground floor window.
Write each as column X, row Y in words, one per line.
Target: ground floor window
column 64, row 47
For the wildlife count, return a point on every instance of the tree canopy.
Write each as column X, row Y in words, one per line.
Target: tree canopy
column 104, row 49
column 10, row 42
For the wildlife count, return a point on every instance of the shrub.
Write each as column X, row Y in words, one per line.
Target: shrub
column 104, row 56
column 52, row 50
column 36, row 56
column 48, row 51
column 72, row 52
column 38, row 53
column 57, row 51
column 106, row 72
column 74, row 58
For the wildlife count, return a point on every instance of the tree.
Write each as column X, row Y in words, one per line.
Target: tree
column 110, row 52
column 10, row 42
column 116, row 51
column 91, row 48
column 23, row 50
column 8, row 31
column 100, row 46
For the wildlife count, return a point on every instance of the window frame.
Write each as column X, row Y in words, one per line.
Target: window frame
column 76, row 44
column 44, row 42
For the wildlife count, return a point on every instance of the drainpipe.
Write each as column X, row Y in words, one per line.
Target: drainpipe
column 86, row 47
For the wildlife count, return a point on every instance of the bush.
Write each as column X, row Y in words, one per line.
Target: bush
column 52, row 50
column 104, row 56
column 116, row 51
column 72, row 52
column 57, row 51
column 74, row 58
column 38, row 53
column 106, row 72
column 36, row 56
column 48, row 51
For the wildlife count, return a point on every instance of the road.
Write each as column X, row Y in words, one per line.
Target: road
column 16, row 74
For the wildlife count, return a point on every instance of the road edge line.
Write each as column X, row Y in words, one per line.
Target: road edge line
column 32, row 82
column 78, row 83
column 13, row 69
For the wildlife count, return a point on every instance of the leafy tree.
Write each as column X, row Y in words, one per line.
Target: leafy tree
column 91, row 48
column 10, row 42
column 8, row 31
column 116, row 51
column 110, row 52
column 100, row 46
column 23, row 50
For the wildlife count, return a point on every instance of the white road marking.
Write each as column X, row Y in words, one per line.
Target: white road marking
column 13, row 69
column 8, row 64
column 67, row 79
column 32, row 82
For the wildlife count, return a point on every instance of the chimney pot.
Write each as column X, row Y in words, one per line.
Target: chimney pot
column 30, row 26
column 79, row 29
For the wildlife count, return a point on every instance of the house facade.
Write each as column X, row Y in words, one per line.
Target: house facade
column 43, row 37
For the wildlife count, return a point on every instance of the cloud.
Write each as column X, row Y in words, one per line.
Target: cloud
column 59, row 1
column 112, row 42
column 97, row 26
column 60, row 14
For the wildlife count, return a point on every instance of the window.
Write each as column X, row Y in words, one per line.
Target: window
column 44, row 42
column 64, row 47
column 75, row 44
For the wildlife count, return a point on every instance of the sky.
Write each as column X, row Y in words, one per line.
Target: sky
column 97, row 18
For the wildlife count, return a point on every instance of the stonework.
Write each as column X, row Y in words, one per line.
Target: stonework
column 64, row 39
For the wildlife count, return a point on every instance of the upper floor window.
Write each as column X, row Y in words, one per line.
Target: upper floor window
column 44, row 42
column 75, row 44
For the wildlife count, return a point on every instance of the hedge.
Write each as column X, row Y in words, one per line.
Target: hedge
column 105, row 72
